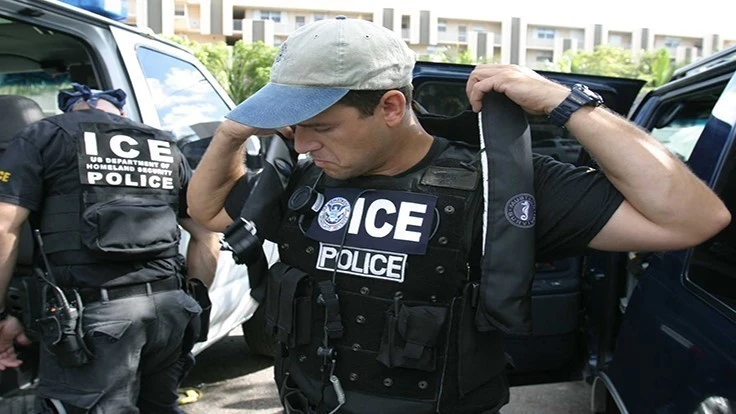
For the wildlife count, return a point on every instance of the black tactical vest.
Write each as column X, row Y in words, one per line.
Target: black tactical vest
column 126, row 205
column 400, row 326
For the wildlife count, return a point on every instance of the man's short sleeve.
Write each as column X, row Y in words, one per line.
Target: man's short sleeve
column 573, row 205
column 237, row 196
column 185, row 174
column 22, row 167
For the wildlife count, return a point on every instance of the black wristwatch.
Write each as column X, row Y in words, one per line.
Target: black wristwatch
column 580, row 96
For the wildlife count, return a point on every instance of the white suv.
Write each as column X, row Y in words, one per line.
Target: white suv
column 47, row 45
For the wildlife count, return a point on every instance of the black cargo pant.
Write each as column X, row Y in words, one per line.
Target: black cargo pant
column 139, row 357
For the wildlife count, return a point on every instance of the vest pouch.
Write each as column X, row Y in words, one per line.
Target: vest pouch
column 410, row 337
column 289, row 305
column 130, row 228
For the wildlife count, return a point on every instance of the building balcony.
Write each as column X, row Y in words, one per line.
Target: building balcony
column 451, row 37
column 282, row 28
column 544, row 44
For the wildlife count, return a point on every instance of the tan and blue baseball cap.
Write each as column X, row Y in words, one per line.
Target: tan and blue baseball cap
column 319, row 63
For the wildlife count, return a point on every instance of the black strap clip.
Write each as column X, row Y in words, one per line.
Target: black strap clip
column 328, row 298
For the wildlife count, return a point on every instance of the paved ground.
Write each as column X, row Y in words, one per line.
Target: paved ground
column 232, row 381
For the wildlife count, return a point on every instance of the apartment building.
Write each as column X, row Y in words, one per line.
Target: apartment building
column 485, row 36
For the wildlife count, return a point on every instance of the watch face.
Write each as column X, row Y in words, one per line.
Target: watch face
column 582, row 95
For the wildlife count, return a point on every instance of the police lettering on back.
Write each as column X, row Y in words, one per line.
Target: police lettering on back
column 130, row 160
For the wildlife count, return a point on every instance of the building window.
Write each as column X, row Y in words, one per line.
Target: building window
column 462, row 33
column 671, row 42
column 274, row 15
column 615, row 40
column 441, row 25
column 545, row 33
column 405, row 22
column 180, row 10
column 300, row 20
column 319, row 16
column 544, row 57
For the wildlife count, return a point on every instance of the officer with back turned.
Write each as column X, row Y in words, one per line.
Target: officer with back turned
column 106, row 195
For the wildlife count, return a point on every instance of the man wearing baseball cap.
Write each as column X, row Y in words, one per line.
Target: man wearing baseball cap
column 374, row 303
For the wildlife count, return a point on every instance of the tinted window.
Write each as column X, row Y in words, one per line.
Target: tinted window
column 713, row 265
column 448, row 99
column 441, row 98
column 36, row 62
column 680, row 122
column 182, row 95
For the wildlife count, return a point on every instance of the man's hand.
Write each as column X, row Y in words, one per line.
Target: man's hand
column 528, row 89
column 238, row 132
column 11, row 331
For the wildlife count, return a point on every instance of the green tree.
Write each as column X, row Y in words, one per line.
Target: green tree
column 241, row 69
column 250, row 68
column 456, row 55
column 603, row 60
column 655, row 67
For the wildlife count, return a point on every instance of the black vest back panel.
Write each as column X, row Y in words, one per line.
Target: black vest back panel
column 126, row 204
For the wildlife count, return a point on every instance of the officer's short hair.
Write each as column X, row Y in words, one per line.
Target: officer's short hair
column 366, row 101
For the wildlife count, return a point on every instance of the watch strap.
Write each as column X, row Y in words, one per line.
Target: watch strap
column 580, row 96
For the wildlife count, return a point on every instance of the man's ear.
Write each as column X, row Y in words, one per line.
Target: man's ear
column 393, row 107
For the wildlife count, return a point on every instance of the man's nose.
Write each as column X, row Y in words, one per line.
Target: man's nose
column 304, row 141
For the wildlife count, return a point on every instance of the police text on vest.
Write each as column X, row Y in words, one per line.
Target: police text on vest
column 362, row 262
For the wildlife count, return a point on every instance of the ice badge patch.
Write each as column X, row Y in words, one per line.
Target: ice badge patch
column 521, row 210
column 334, row 215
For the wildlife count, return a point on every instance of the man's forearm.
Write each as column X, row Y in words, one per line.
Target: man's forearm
column 218, row 171
column 651, row 178
column 202, row 254
column 8, row 257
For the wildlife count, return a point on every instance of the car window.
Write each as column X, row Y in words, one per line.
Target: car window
column 679, row 122
column 36, row 62
column 441, row 98
column 448, row 99
column 713, row 264
column 182, row 95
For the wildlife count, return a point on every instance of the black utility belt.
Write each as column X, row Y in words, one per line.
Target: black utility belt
column 90, row 295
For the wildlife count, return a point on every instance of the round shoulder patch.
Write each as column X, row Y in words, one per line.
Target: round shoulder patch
column 334, row 214
column 521, row 210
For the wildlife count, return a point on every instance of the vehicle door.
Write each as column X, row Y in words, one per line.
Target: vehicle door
column 676, row 347
column 176, row 93
column 557, row 349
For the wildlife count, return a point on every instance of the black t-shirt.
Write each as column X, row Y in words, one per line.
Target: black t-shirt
column 573, row 203
column 41, row 161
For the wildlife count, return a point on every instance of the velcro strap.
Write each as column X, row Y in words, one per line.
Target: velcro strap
column 276, row 276
column 61, row 242
column 420, row 326
column 58, row 204
column 332, row 304
column 285, row 324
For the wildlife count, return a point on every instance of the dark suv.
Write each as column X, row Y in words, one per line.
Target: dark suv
column 651, row 331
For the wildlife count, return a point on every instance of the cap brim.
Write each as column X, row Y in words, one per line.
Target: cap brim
column 275, row 105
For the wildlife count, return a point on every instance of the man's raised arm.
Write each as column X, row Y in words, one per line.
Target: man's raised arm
column 218, row 171
column 666, row 206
